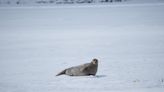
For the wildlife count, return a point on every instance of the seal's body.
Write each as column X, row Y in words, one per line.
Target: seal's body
column 82, row 70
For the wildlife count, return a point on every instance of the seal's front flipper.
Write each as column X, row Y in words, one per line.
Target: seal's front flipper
column 84, row 69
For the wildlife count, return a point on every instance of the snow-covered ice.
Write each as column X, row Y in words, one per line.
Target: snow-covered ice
column 37, row 43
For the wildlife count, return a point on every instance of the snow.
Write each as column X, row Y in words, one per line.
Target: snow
column 52, row 3
column 36, row 43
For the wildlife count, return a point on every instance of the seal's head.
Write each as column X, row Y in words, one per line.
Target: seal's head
column 94, row 61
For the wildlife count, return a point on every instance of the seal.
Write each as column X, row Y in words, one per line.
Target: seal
column 82, row 70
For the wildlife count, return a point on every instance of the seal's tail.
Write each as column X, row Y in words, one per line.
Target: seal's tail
column 62, row 72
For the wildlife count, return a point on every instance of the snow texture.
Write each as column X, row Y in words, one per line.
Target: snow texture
column 27, row 3
column 38, row 42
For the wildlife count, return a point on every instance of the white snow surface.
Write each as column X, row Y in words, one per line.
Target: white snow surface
column 36, row 43
column 52, row 3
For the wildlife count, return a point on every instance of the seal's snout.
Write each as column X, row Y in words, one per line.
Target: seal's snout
column 95, row 61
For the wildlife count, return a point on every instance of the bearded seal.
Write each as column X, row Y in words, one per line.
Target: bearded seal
column 82, row 70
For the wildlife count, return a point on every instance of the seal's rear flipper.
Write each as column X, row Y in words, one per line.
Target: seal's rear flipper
column 62, row 72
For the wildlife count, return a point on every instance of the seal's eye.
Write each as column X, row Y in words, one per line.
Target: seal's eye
column 95, row 60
